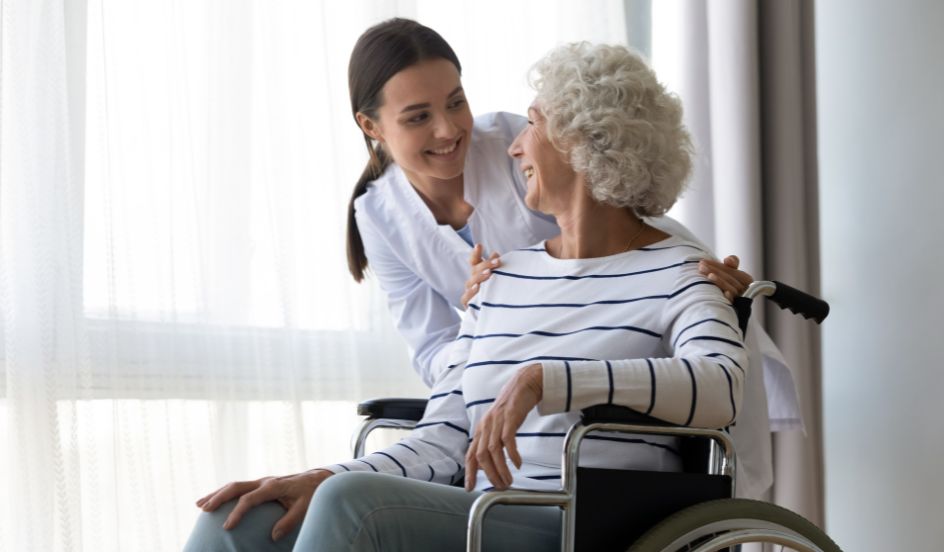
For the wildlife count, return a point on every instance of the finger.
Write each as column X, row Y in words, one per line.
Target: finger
column 475, row 257
column 496, row 450
column 249, row 501
column 732, row 261
column 227, row 493
column 725, row 282
column 512, row 445
column 471, row 468
column 291, row 519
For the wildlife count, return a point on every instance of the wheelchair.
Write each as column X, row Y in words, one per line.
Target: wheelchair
column 692, row 510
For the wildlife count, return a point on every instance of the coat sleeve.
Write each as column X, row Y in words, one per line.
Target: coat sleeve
column 427, row 321
column 700, row 384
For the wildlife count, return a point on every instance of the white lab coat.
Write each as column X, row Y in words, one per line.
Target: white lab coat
column 422, row 266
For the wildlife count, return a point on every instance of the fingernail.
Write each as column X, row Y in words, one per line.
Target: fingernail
column 227, row 525
column 277, row 535
column 495, row 262
column 486, row 271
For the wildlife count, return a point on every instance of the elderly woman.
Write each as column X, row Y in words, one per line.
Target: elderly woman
column 610, row 311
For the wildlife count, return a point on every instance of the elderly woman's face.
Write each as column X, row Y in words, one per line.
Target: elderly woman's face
column 550, row 176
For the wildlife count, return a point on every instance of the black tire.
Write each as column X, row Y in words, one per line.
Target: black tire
column 696, row 523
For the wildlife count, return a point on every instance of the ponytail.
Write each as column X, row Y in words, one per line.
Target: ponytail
column 380, row 53
column 356, row 258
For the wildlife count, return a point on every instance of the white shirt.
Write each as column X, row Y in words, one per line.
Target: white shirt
column 422, row 267
column 641, row 329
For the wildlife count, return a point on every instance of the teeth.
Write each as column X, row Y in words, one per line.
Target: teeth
column 446, row 151
column 529, row 172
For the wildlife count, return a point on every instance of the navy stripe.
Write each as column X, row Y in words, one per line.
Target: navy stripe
column 474, row 306
column 395, row 461
column 727, row 374
column 408, row 447
column 569, row 387
column 652, row 387
column 609, row 373
column 561, row 334
column 475, row 403
column 451, row 366
column 447, row 424
column 493, row 362
column 691, row 374
column 543, row 477
column 432, row 472
column 690, row 326
column 727, row 357
column 368, row 463
column 453, row 392
column 695, row 247
column 343, row 466
column 539, row 434
column 621, row 275
column 604, row 302
column 712, row 338
column 531, row 249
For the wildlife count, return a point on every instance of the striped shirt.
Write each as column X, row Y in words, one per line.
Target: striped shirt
column 641, row 329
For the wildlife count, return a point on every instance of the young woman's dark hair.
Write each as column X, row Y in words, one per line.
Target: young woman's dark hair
column 380, row 53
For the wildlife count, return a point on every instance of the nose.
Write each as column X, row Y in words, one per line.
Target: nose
column 514, row 149
column 445, row 127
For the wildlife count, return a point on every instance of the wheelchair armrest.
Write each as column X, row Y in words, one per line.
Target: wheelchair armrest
column 615, row 414
column 398, row 409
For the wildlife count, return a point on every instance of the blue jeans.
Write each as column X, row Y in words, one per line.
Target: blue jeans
column 366, row 511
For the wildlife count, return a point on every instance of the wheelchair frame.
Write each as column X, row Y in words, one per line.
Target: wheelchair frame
column 721, row 458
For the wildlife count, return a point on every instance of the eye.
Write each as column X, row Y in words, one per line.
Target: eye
column 456, row 103
column 418, row 118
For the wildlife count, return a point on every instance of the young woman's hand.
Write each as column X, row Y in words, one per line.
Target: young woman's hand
column 481, row 271
column 293, row 492
column 496, row 432
column 725, row 275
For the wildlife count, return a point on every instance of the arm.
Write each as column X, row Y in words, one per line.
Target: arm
column 435, row 449
column 699, row 385
column 423, row 317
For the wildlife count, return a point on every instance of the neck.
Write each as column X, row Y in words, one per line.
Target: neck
column 591, row 229
column 444, row 198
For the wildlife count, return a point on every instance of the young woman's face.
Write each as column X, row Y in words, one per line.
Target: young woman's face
column 424, row 123
column 550, row 176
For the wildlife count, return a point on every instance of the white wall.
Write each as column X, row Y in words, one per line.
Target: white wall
column 880, row 82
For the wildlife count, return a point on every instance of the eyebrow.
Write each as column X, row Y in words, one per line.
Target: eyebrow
column 425, row 105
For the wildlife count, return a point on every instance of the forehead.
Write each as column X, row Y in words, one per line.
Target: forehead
column 427, row 81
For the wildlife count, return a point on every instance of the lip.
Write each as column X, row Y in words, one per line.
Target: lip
column 456, row 151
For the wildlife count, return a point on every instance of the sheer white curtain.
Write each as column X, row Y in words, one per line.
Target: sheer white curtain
column 176, row 309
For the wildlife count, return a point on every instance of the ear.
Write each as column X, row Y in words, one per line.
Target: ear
column 369, row 126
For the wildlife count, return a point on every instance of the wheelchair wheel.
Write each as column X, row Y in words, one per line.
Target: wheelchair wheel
column 720, row 524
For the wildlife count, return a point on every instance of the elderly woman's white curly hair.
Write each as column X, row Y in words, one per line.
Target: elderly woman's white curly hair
column 622, row 128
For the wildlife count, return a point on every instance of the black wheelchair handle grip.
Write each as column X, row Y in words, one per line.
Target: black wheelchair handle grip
column 799, row 302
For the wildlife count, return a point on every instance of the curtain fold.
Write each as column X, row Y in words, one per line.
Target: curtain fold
column 743, row 69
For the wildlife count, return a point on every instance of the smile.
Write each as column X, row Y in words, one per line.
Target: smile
column 529, row 172
column 446, row 150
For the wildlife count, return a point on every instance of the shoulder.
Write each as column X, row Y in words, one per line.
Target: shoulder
column 380, row 201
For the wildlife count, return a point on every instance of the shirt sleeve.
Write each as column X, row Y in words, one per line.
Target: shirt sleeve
column 427, row 321
column 435, row 449
column 700, row 384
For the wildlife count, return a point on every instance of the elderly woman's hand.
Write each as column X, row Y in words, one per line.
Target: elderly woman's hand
column 496, row 432
column 481, row 271
column 725, row 275
column 293, row 492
